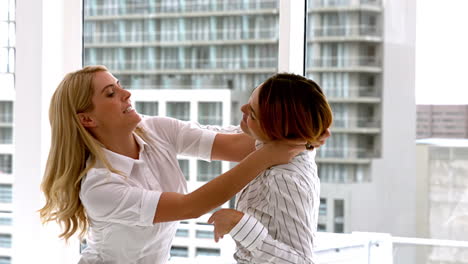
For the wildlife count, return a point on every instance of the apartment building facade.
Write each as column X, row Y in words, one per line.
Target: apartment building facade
column 442, row 166
column 7, row 93
column 442, row 121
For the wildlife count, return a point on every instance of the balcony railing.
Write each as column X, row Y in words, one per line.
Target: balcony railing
column 151, row 7
column 341, row 3
column 347, row 31
column 355, row 123
column 177, row 64
column 363, row 91
column 175, row 87
column 342, row 62
column 177, row 36
column 348, row 153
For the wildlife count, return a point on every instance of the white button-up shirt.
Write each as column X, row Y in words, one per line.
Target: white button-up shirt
column 121, row 208
column 280, row 214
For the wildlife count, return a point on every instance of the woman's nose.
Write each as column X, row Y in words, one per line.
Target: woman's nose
column 244, row 108
column 126, row 94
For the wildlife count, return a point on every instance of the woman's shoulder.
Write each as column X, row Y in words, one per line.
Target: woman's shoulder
column 98, row 176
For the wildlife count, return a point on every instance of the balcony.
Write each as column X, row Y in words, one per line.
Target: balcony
column 350, row 154
column 370, row 64
column 176, row 7
column 174, row 66
column 346, row 33
column 350, row 123
column 185, row 38
column 344, row 5
column 363, row 94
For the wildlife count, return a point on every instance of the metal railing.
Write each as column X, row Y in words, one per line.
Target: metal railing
column 362, row 91
column 341, row 3
column 168, row 36
column 346, row 31
column 348, row 153
column 151, row 7
column 177, row 64
column 340, row 62
column 355, row 123
column 379, row 248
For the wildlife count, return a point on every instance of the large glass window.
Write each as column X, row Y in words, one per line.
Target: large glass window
column 186, row 46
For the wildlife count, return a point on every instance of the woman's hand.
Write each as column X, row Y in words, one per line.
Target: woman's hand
column 224, row 220
column 281, row 152
column 321, row 140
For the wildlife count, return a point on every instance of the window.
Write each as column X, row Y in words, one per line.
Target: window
column 5, row 260
column 204, row 234
column 323, row 207
column 182, row 233
column 210, row 113
column 207, row 252
column 5, row 221
column 339, row 216
column 147, row 108
column 5, row 193
column 179, row 251
column 179, row 110
column 6, row 163
column 5, row 241
column 208, row 170
column 184, row 166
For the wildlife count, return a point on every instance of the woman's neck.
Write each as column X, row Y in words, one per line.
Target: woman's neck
column 123, row 144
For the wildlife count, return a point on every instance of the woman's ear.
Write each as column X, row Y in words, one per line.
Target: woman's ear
column 86, row 120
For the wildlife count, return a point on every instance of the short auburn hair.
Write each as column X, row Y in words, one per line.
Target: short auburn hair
column 293, row 107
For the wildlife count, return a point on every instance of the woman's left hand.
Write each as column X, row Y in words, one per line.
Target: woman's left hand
column 224, row 220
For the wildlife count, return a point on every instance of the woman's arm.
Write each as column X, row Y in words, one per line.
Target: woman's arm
column 232, row 147
column 292, row 214
column 174, row 206
column 235, row 147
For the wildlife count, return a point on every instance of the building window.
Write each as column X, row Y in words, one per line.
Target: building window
column 184, row 166
column 147, row 108
column 182, row 233
column 5, row 260
column 179, row 110
column 5, row 193
column 179, row 251
column 210, row 113
column 6, row 163
column 6, row 113
column 207, row 252
column 322, row 227
column 204, row 234
column 323, row 207
column 208, row 170
column 6, row 221
column 339, row 216
column 5, row 241
column 6, row 135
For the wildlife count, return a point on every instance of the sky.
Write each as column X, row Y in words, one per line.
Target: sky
column 442, row 52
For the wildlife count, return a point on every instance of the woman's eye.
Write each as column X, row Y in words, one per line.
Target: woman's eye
column 110, row 94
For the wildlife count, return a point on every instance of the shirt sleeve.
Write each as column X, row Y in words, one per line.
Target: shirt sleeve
column 294, row 240
column 187, row 138
column 107, row 197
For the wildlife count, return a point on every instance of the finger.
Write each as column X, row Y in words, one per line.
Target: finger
column 212, row 218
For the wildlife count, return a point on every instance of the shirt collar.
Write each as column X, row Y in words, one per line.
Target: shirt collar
column 123, row 163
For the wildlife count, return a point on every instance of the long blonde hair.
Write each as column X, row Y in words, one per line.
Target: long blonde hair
column 71, row 146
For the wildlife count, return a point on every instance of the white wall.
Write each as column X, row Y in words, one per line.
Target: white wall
column 48, row 34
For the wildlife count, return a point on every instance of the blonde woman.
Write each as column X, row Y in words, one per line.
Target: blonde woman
column 115, row 177
column 277, row 213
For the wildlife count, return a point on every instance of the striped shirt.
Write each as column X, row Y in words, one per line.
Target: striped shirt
column 280, row 209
